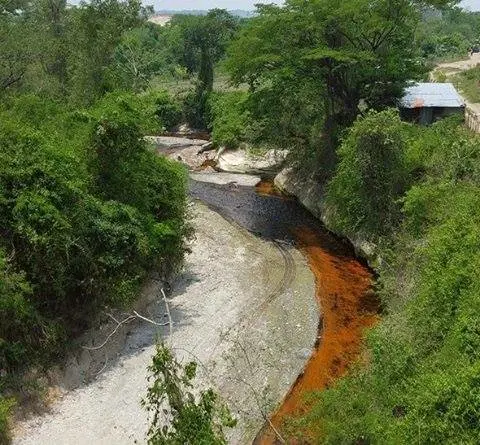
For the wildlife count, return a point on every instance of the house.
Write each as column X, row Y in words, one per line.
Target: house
column 425, row 103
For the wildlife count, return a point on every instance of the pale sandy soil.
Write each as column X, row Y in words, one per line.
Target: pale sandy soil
column 243, row 307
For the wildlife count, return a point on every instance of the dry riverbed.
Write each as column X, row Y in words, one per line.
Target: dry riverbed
column 243, row 307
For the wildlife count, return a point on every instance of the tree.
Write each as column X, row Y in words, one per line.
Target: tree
column 15, row 44
column 49, row 20
column 142, row 53
column 204, row 42
column 371, row 177
column 347, row 52
column 95, row 31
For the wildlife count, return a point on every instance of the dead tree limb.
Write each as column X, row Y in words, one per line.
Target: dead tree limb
column 128, row 319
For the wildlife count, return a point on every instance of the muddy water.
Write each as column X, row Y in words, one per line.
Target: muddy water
column 343, row 290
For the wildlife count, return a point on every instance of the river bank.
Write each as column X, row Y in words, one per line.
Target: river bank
column 244, row 308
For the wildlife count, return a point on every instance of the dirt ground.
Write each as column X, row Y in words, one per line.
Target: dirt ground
column 450, row 68
column 244, row 308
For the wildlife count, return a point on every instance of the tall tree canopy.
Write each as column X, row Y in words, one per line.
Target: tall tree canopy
column 204, row 40
column 347, row 52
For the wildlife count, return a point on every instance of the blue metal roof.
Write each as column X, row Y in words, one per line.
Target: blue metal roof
column 431, row 95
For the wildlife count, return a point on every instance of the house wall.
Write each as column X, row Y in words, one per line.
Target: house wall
column 428, row 115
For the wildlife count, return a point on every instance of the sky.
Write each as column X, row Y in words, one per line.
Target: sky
column 474, row 5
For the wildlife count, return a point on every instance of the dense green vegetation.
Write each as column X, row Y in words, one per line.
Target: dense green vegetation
column 448, row 35
column 87, row 209
column 311, row 67
column 420, row 382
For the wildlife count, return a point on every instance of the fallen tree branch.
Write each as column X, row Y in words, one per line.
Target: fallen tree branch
column 150, row 321
column 170, row 323
column 96, row 348
column 128, row 319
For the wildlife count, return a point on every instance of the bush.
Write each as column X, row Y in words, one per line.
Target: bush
column 229, row 118
column 421, row 380
column 196, row 108
column 179, row 416
column 372, row 174
column 83, row 220
column 5, row 408
column 468, row 82
column 168, row 110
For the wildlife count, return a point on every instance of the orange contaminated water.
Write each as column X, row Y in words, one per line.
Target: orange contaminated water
column 266, row 187
column 347, row 306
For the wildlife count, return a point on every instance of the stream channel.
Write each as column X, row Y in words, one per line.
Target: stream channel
column 346, row 302
column 267, row 294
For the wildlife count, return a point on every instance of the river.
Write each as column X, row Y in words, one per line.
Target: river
column 344, row 296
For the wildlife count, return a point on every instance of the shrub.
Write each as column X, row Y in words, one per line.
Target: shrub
column 371, row 176
column 196, row 108
column 21, row 325
column 421, row 380
column 168, row 110
column 5, row 408
column 179, row 416
column 229, row 118
column 83, row 220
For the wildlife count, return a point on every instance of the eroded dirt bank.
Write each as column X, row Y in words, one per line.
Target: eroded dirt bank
column 244, row 308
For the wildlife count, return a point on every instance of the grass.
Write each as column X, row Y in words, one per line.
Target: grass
column 469, row 83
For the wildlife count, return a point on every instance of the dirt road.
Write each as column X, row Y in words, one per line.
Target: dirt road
column 244, row 308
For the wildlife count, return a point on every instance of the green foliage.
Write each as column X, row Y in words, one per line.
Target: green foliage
column 168, row 110
column 153, row 111
column 311, row 65
column 87, row 209
column 371, row 176
column 448, row 34
column 421, row 382
column 20, row 328
column 96, row 29
column 5, row 407
column 204, row 40
column 196, row 108
column 229, row 118
column 142, row 53
column 178, row 416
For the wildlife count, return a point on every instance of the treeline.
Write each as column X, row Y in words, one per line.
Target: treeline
column 449, row 34
column 309, row 67
column 322, row 78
